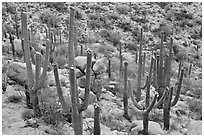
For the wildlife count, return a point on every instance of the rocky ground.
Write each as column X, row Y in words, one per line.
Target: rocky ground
column 125, row 19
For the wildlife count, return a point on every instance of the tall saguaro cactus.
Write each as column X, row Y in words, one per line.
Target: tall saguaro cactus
column 34, row 84
column 77, row 108
column 138, row 94
column 71, row 38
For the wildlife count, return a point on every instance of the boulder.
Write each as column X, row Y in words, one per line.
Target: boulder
column 100, row 66
column 18, row 46
column 92, row 96
column 81, row 61
column 82, row 81
column 64, row 79
column 89, row 112
column 153, row 129
column 113, row 87
column 195, row 128
column 89, row 122
column 17, row 71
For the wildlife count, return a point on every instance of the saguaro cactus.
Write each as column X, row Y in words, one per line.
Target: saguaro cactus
column 97, row 89
column 109, row 68
column 125, row 94
column 59, row 90
column 34, row 84
column 76, row 107
column 12, row 45
column 138, row 94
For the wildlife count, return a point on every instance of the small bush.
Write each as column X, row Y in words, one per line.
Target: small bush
column 52, row 114
column 122, row 8
column 14, row 99
column 195, row 106
column 47, row 16
column 27, row 114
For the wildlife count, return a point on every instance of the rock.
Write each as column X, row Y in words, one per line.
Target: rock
column 100, row 66
column 17, row 71
column 153, row 129
column 108, row 96
column 89, row 112
column 80, row 62
column 195, row 128
column 117, row 125
column 113, row 87
column 92, row 96
column 18, row 46
column 82, row 81
column 64, row 79
column 174, row 132
column 89, row 123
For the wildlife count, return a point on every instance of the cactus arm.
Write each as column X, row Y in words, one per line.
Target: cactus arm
column 143, row 65
column 71, row 38
column 161, row 57
column 37, row 69
column 162, row 98
column 27, row 51
column 88, row 80
column 59, row 90
column 97, row 129
column 166, row 110
column 138, row 97
column 148, row 83
column 75, row 113
column 178, row 89
column 125, row 95
column 45, row 66
column 134, row 101
column 151, row 105
column 168, row 78
column 145, row 83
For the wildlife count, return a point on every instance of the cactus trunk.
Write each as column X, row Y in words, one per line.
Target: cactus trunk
column 125, row 95
column 166, row 110
column 138, row 94
column 97, row 129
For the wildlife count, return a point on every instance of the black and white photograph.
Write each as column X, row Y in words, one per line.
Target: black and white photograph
column 101, row 68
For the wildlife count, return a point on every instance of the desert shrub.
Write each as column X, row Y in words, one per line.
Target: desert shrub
column 94, row 24
column 47, row 16
column 114, row 37
column 61, row 60
column 156, row 115
column 61, row 49
column 52, row 114
column 27, row 114
column 195, row 86
column 125, row 23
column 59, row 6
column 122, row 8
column 195, row 106
column 14, row 99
